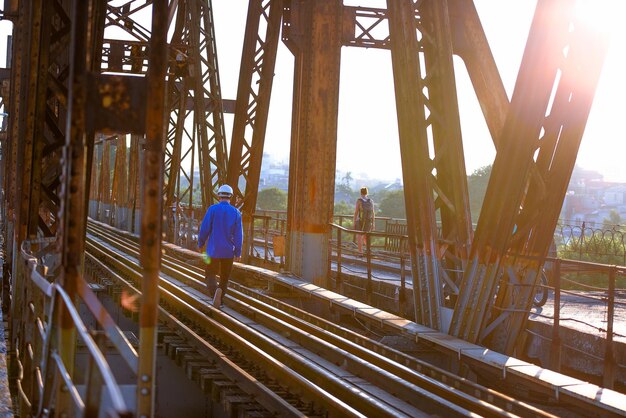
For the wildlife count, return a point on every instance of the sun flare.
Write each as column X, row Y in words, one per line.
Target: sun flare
column 603, row 15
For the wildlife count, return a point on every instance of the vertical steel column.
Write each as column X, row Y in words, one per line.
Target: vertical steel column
column 104, row 198
column 74, row 187
column 256, row 74
column 94, row 188
column 9, row 152
column 120, row 185
column 314, row 145
column 134, row 181
column 504, row 192
column 449, row 176
column 556, row 150
column 152, row 199
column 416, row 164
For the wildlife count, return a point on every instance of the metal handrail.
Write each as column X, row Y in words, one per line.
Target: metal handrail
column 103, row 367
column 32, row 274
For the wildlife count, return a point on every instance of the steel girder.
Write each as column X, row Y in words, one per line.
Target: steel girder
column 37, row 115
column 428, row 123
column 196, row 137
column 55, row 77
column 152, row 208
column 252, row 106
column 314, row 36
column 196, row 127
column 536, row 154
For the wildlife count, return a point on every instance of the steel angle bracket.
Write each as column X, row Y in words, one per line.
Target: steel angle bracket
column 117, row 104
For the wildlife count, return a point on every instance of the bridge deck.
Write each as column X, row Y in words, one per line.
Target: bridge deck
column 554, row 384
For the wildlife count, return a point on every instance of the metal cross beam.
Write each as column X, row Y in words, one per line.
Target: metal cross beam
column 536, row 153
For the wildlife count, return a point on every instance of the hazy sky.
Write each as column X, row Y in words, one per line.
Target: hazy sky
column 367, row 132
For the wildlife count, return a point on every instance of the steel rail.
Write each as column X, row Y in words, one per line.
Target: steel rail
column 362, row 361
column 205, row 321
column 355, row 396
column 262, row 394
column 419, row 372
column 405, row 392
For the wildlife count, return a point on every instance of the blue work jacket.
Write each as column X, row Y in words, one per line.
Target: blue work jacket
column 222, row 226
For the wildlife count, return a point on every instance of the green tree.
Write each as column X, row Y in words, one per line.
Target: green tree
column 272, row 199
column 392, row 205
column 343, row 208
column 613, row 221
column 477, row 187
column 347, row 179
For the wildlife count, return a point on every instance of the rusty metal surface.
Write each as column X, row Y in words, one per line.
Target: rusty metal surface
column 314, row 138
column 539, row 142
column 252, row 105
column 416, row 163
column 72, row 104
column 152, row 203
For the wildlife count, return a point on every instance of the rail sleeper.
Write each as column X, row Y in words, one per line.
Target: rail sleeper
column 193, row 369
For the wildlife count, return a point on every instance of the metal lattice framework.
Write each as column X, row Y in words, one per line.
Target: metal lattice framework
column 195, row 136
column 449, row 270
column 107, row 117
column 539, row 140
column 58, row 101
column 196, row 127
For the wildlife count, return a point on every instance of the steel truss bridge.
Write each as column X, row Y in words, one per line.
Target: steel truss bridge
column 113, row 105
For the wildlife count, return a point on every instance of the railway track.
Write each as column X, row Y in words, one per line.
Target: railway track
column 290, row 362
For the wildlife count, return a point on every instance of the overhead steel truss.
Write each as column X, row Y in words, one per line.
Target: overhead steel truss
column 450, row 269
column 93, row 127
column 58, row 101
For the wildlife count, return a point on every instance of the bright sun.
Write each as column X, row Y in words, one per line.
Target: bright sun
column 603, row 15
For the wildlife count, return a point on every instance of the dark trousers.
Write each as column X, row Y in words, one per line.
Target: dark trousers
column 223, row 266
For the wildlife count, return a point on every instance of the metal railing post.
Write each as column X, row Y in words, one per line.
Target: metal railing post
column 266, row 227
column 608, row 376
column 368, row 248
column 338, row 279
column 555, row 349
column 402, row 295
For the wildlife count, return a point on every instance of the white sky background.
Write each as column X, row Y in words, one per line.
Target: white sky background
column 367, row 130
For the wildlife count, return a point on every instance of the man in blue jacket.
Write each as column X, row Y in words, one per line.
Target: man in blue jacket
column 222, row 226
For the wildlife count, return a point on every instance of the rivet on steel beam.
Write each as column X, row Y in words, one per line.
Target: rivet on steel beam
column 145, row 378
column 145, row 391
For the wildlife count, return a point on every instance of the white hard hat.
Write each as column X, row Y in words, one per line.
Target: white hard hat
column 225, row 191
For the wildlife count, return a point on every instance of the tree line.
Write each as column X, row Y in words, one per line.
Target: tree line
column 388, row 203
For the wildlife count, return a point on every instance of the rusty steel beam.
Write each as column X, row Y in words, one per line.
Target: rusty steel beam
column 416, row 163
column 314, row 139
column 104, row 189
column 120, row 210
column 152, row 203
column 135, row 182
column 73, row 189
column 194, row 97
column 449, row 177
column 556, row 149
column 196, row 138
column 521, row 209
column 256, row 74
